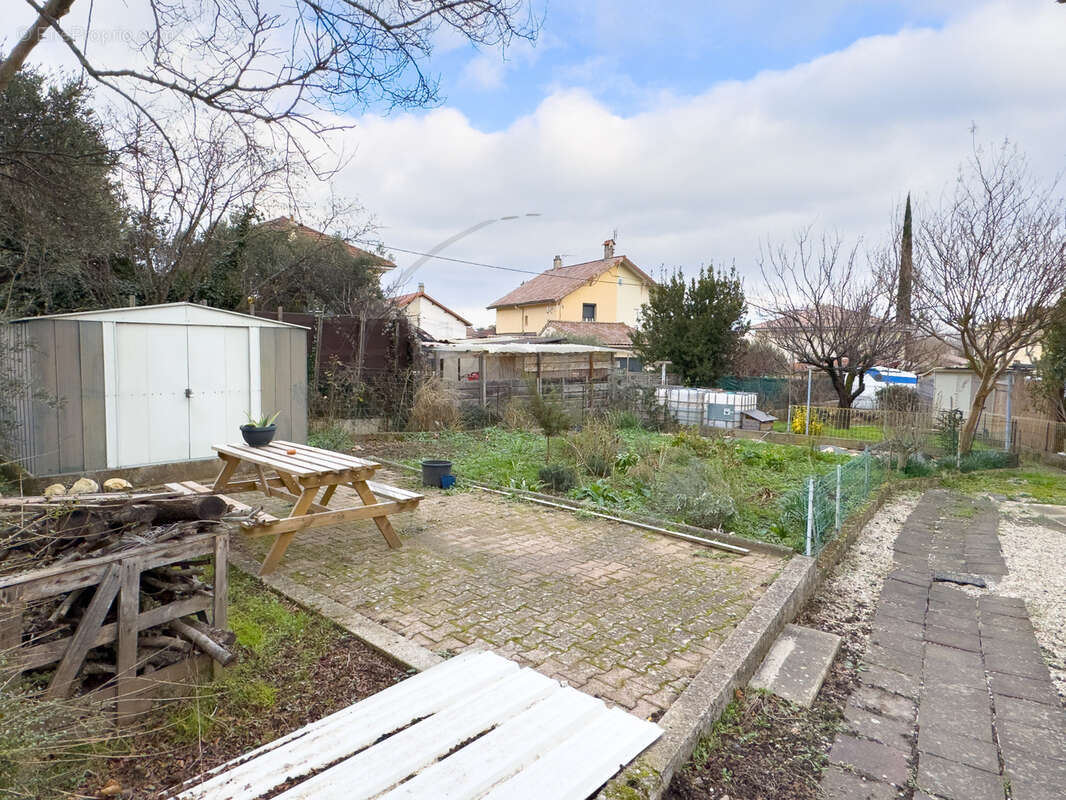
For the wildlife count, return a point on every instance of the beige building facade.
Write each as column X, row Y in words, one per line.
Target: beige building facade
column 611, row 289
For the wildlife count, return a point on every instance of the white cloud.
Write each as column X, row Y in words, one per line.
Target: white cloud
column 836, row 142
column 484, row 71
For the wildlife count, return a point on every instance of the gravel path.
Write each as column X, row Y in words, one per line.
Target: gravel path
column 1033, row 540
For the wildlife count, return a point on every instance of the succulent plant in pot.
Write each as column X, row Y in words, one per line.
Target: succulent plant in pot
column 259, row 432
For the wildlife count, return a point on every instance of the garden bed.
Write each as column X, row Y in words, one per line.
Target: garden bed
column 294, row 667
column 740, row 481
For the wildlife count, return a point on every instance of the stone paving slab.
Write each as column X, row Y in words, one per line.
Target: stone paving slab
column 987, row 713
column 797, row 664
column 624, row 614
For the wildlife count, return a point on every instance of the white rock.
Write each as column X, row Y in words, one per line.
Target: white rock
column 117, row 485
column 55, row 490
column 84, row 486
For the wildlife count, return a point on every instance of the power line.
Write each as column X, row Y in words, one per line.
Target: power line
column 493, row 266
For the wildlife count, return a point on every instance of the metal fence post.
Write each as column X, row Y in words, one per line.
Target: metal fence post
column 807, row 427
column 866, row 452
column 810, row 513
column 838, row 498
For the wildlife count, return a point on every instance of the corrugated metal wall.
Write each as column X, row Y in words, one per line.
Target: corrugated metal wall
column 17, row 395
column 58, row 366
column 61, row 417
column 283, row 365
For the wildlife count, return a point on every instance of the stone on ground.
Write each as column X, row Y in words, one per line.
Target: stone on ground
column 797, row 664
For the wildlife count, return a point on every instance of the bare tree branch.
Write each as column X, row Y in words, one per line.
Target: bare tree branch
column 827, row 312
column 990, row 265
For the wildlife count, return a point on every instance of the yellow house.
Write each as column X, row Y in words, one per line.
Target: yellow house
column 609, row 290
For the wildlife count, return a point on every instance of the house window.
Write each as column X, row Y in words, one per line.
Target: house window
column 588, row 312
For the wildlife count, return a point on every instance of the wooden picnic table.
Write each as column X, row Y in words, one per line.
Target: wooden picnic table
column 297, row 472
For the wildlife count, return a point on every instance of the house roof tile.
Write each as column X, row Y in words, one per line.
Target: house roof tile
column 555, row 284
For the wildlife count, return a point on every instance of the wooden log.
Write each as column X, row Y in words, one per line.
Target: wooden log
column 189, row 507
column 165, row 641
column 204, row 642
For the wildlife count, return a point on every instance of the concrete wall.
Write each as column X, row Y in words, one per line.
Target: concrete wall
column 434, row 320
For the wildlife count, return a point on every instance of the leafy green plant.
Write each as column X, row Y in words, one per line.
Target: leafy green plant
column 264, row 421
column 558, row 477
column 625, row 420
column 598, row 492
column 919, row 466
column 477, row 417
column 550, row 415
column 595, row 447
column 625, row 461
column 331, row 437
column 693, row 494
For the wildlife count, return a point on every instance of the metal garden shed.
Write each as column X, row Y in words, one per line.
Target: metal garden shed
column 145, row 385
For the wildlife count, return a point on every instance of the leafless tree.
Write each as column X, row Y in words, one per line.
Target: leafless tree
column 278, row 64
column 990, row 265
column 829, row 312
column 172, row 220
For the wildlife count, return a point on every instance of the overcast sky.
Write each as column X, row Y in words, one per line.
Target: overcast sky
column 696, row 134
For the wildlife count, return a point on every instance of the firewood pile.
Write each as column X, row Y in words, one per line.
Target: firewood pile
column 45, row 536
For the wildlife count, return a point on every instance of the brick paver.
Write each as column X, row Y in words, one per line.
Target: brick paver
column 988, row 717
column 627, row 615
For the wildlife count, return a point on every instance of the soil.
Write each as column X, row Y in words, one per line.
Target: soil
column 765, row 748
column 350, row 671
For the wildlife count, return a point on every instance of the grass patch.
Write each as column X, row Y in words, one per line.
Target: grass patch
column 863, row 433
column 753, row 475
column 1037, row 483
column 278, row 643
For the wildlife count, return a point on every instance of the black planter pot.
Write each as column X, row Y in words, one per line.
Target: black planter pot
column 256, row 436
column 433, row 470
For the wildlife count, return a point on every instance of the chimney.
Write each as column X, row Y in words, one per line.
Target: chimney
column 608, row 248
column 557, row 262
column 421, row 288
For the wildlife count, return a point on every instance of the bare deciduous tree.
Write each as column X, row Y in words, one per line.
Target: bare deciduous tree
column 990, row 266
column 828, row 312
column 173, row 220
column 281, row 64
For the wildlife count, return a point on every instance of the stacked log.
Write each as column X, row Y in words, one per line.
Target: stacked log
column 40, row 533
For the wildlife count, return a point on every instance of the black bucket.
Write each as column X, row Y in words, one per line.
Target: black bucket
column 433, row 470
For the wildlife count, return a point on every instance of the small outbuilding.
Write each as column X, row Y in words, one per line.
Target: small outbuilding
column 144, row 385
column 752, row 419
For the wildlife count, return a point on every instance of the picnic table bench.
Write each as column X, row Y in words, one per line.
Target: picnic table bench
column 476, row 726
column 297, row 472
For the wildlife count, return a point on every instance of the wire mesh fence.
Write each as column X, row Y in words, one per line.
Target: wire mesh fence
column 813, row 512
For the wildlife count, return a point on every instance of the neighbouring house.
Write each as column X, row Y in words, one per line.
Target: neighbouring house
column 611, row 289
column 296, row 229
column 431, row 316
column 616, row 335
column 127, row 387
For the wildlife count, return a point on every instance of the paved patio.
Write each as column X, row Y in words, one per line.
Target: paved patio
column 626, row 615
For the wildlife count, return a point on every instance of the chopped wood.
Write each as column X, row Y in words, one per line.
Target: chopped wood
column 204, row 642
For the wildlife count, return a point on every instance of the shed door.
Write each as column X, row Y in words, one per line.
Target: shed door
column 218, row 380
column 179, row 389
